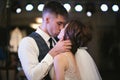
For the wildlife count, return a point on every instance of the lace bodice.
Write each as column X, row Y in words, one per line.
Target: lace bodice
column 71, row 73
column 87, row 67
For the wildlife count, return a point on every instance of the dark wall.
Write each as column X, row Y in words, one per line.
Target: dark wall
column 3, row 36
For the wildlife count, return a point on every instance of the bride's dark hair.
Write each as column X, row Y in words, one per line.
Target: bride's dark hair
column 78, row 33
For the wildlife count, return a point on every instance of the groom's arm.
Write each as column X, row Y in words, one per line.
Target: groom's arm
column 28, row 53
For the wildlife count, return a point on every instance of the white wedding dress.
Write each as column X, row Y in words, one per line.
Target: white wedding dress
column 86, row 65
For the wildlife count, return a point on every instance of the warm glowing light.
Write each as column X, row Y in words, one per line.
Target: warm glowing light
column 67, row 7
column 18, row 10
column 39, row 20
column 29, row 7
column 78, row 8
column 40, row 7
column 104, row 7
column 115, row 8
column 89, row 14
column 34, row 25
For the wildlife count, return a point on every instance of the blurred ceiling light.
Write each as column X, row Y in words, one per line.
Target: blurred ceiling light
column 29, row 7
column 39, row 20
column 40, row 7
column 18, row 10
column 67, row 7
column 34, row 25
column 104, row 7
column 89, row 14
column 115, row 8
column 78, row 8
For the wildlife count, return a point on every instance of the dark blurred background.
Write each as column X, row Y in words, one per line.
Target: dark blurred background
column 18, row 19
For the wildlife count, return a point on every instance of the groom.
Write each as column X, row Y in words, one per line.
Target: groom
column 34, row 51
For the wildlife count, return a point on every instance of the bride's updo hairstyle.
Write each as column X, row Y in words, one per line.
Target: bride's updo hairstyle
column 78, row 33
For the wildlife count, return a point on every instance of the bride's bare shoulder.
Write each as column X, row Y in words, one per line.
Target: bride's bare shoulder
column 62, row 57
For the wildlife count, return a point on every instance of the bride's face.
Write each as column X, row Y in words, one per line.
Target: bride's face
column 61, row 34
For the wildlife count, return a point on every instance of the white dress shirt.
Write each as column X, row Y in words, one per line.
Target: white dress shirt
column 28, row 53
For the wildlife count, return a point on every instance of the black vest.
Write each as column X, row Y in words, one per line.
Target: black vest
column 43, row 48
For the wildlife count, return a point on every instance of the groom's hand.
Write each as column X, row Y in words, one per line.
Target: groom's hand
column 60, row 47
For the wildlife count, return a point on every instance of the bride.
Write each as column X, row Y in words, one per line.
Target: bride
column 76, row 64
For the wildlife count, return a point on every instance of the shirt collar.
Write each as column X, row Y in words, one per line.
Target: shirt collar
column 44, row 35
